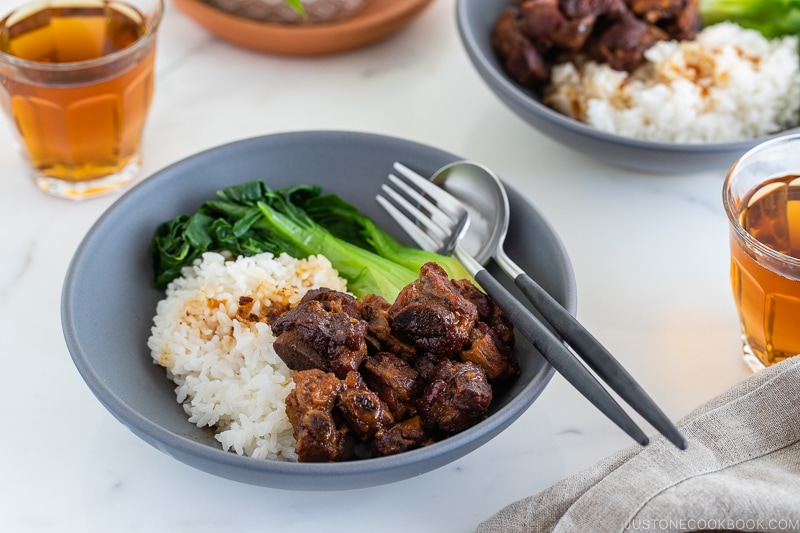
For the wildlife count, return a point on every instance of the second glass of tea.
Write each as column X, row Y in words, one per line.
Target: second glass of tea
column 76, row 82
column 761, row 196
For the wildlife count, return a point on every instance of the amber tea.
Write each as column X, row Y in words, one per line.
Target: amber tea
column 766, row 286
column 77, row 81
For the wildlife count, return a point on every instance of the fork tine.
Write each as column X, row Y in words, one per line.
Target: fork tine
column 425, row 208
column 416, row 214
column 406, row 200
column 442, row 198
column 404, row 220
column 433, row 203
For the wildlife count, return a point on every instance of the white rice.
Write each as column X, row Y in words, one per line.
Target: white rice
column 729, row 84
column 228, row 376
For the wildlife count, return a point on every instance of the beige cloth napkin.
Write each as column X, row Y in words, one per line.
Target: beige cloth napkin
column 741, row 472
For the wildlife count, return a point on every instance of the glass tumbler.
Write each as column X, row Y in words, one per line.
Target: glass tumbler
column 761, row 196
column 76, row 83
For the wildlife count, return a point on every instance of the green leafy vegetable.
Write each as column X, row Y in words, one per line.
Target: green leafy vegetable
column 773, row 18
column 251, row 218
column 297, row 5
column 347, row 223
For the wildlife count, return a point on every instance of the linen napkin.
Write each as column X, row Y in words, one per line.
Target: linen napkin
column 741, row 472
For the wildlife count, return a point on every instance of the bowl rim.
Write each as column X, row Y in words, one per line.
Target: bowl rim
column 489, row 68
column 377, row 20
column 175, row 444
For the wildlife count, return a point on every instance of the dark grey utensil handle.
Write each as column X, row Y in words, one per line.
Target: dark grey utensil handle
column 558, row 355
column 598, row 358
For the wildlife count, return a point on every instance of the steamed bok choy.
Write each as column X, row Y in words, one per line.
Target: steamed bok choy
column 297, row 5
column 773, row 18
column 251, row 218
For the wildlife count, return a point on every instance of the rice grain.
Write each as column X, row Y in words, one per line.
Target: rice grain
column 730, row 84
column 227, row 375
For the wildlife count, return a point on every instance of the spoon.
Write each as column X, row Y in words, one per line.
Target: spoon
column 437, row 221
column 484, row 196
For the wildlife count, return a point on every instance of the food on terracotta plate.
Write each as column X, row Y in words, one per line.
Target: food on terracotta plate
column 652, row 69
column 284, row 362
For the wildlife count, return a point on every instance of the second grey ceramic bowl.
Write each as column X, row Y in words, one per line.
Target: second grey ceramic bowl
column 476, row 19
column 109, row 301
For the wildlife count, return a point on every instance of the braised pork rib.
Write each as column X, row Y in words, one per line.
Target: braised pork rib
column 531, row 36
column 392, row 376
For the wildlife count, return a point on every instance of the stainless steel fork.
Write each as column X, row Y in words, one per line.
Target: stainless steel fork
column 437, row 221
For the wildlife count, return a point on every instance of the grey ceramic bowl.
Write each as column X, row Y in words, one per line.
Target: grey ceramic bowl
column 108, row 300
column 476, row 18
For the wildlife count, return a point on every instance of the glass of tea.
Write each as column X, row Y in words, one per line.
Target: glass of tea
column 761, row 196
column 76, row 80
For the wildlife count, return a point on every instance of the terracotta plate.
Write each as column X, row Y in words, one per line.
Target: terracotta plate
column 377, row 20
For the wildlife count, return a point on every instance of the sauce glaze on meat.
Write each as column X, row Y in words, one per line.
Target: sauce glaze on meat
column 533, row 35
column 392, row 376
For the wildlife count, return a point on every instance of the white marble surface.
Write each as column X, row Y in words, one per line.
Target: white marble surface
column 650, row 256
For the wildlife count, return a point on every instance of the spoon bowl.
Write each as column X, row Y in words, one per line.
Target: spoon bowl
column 439, row 221
column 485, row 198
